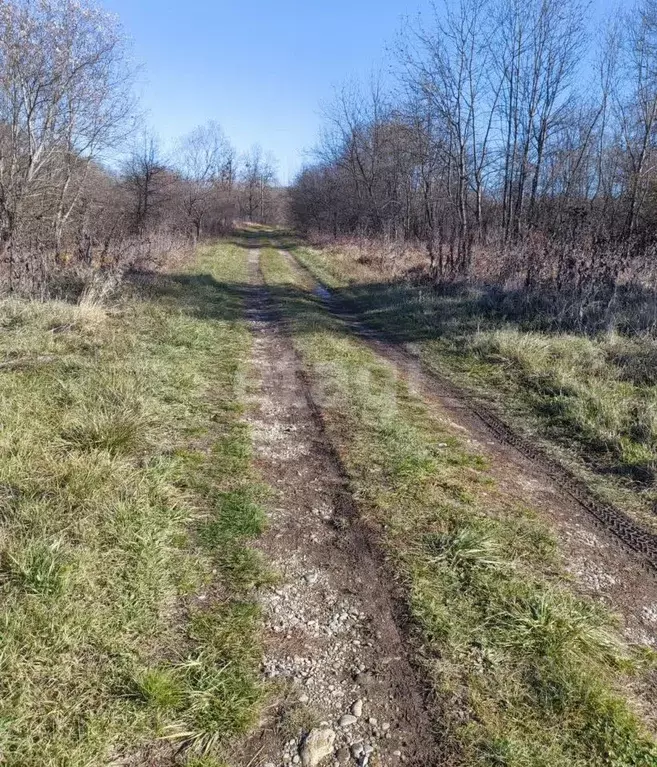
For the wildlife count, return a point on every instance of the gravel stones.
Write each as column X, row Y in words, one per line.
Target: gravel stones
column 347, row 720
column 357, row 708
column 316, row 746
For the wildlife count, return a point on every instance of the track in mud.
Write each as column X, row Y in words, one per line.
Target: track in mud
column 610, row 517
column 333, row 642
column 609, row 556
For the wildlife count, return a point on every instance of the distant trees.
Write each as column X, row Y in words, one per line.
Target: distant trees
column 500, row 152
column 201, row 188
column 67, row 106
column 207, row 166
column 257, row 175
column 147, row 182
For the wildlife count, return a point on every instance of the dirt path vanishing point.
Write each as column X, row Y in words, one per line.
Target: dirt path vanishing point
column 332, row 642
column 601, row 565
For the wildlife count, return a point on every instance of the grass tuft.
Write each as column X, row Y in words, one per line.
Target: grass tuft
column 160, row 688
column 119, row 431
column 465, row 549
column 35, row 566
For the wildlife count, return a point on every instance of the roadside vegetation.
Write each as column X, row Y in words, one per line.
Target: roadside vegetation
column 525, row 672
column 68, row 102
column 510, row 146
column 591, row 401
column 497, row 197
column 127, row 502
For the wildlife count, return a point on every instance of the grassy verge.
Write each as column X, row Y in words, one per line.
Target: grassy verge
column 127, row 504
column 525, row 672
column 590, row 401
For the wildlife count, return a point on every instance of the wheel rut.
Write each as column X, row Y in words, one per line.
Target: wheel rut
column 609, row 556
column 346, row 685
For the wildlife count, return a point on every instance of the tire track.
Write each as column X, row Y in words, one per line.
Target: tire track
column 609, row 517
column 333, row 642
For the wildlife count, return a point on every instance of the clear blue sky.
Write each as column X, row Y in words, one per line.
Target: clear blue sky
column 260, row 68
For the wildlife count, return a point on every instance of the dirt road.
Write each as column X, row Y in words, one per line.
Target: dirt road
column 337, row 641
column 602, row 565
column 333, row 642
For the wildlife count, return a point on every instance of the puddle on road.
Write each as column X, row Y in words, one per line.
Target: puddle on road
column 322, row 292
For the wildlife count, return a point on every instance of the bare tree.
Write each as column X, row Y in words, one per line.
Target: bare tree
column 637, row 113
column 65, row 97
column 449, row 68
column 257, row 177
column 147, row 180
column 207, row 165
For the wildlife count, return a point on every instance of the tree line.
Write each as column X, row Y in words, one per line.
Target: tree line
column 510, row 149
column 78, row 191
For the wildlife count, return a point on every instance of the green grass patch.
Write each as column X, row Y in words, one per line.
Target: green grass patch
column 526, row 673
column 128, row 503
